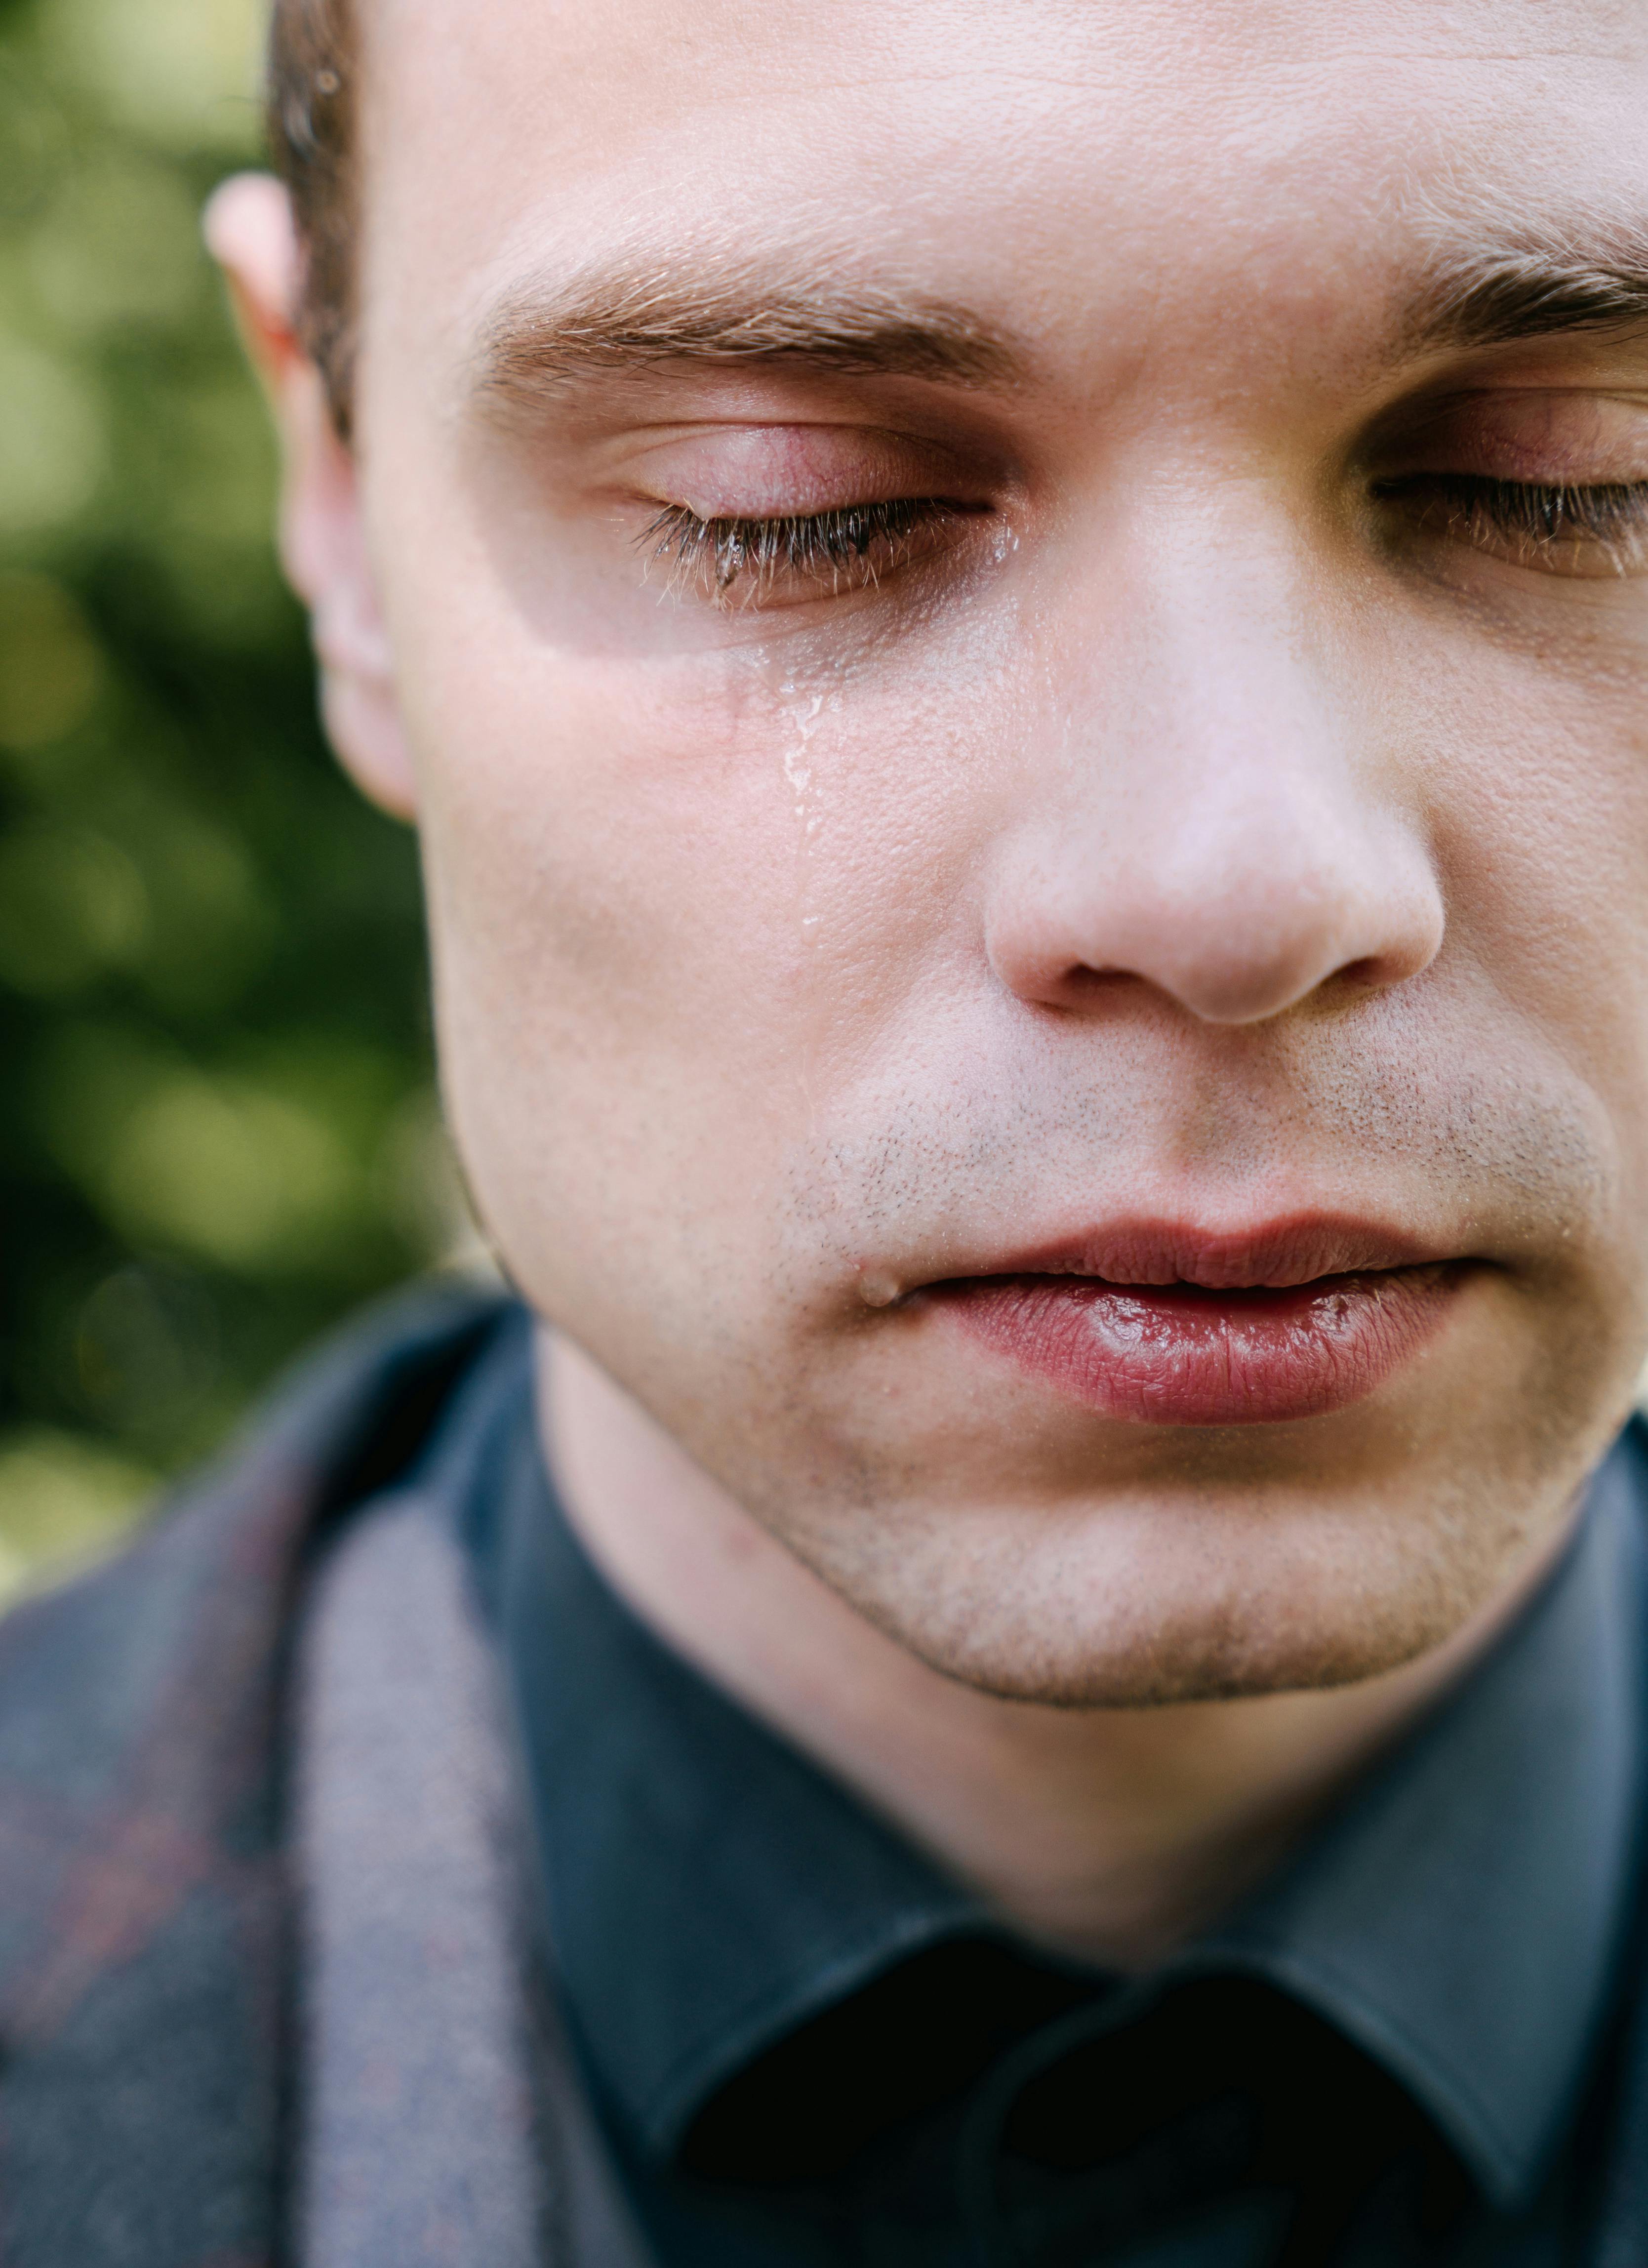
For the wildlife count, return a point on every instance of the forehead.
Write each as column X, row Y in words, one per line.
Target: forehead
column 1047, row 161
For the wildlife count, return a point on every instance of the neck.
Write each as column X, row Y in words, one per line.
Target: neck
column 1111, row 1833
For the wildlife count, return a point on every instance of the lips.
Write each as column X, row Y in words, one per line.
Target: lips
column 1158, row 1324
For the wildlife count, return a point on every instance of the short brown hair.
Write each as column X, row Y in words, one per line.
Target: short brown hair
column 309, row 114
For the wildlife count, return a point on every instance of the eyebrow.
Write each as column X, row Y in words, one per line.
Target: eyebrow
column 1485, row 291
column 1497, row 294
column 537, row 344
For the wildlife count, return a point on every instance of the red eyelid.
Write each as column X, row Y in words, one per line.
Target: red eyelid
column 1543, row 437
column 769, row 472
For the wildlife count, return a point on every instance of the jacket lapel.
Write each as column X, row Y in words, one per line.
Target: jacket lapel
column 438, row 2120
column 142, row 1908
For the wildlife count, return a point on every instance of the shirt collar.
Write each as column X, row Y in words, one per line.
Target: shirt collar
column 1462, row 1917
column 710, row 1890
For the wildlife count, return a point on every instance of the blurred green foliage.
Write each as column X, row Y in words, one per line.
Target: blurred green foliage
column 216, row 1126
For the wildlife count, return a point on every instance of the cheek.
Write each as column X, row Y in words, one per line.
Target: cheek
column 1537, row 780
column 672, row 904
column 1540, row 824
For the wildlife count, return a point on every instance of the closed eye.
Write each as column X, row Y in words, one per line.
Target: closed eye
column 1592, row 529
column 797, row 554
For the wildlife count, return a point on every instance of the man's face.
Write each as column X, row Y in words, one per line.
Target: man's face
column 1013, row 692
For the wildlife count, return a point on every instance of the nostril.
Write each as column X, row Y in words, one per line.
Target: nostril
column 1369, row 970
column 1377, row 972
column 1084, row 983
column 1237, row 937
column 1072, row 988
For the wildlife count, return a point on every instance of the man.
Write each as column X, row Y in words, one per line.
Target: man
column 1019, row 639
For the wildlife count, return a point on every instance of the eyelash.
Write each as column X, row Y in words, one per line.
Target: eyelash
column 1536, row 518
column 857, row 543
column 841, row 544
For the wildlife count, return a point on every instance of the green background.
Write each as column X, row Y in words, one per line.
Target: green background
column 216, row 1129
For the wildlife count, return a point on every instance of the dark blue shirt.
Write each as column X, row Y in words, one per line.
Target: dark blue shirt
column 808, row 2044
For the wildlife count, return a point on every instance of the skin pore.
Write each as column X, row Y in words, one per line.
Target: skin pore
column 1019, row 639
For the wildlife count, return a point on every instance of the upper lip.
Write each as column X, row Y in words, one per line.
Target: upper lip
column 1274, row 1254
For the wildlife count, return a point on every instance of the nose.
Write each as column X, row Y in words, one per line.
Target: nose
column 1229, row 837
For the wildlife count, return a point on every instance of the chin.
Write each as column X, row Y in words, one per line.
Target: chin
column 1153, row 1606
column 1195, row 1659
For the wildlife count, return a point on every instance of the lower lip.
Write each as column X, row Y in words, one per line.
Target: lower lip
column 1178, row 1355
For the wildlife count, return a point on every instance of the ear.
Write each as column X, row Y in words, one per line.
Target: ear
column 250, row 230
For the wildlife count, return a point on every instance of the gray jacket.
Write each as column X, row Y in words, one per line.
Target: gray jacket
column 270, row 1987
